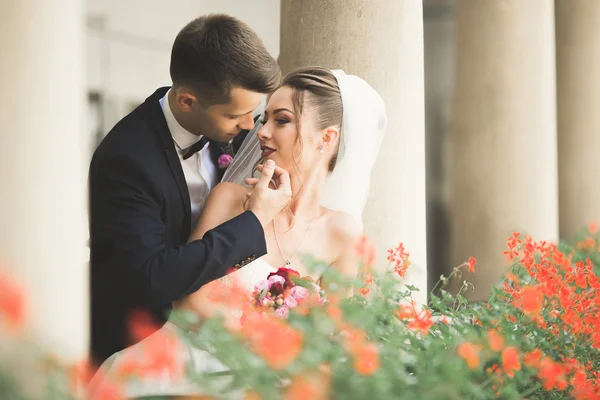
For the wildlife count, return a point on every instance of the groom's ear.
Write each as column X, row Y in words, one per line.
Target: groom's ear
column 185, row 99
column 331, row 136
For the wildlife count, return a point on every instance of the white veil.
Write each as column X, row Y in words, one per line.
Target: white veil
column 363, row 126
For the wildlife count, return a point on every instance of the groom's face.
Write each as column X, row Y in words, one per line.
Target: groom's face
column 223, row 122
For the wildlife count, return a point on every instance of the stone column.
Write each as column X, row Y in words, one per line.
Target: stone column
column 578, row 101
column 382, row 42
column 504, row 131
column 42, row 174
column 438, row 30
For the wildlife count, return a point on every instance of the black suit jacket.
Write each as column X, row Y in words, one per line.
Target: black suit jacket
column 139, row 225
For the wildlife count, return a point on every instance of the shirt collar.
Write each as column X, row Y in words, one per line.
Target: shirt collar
column 181, row 136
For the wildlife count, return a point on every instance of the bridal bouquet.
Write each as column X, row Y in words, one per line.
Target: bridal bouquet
column 284, row 290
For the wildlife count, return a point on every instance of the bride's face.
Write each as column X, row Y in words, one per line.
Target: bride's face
column 279, row 138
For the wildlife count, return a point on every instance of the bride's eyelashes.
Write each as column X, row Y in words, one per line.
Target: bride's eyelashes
column 280, row 121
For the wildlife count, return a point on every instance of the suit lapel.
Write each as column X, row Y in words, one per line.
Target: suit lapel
column 216, row 150
column 160, row 124
column 155, row 112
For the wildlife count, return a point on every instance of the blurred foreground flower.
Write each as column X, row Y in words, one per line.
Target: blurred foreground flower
column 536, row 337
column 12, row 302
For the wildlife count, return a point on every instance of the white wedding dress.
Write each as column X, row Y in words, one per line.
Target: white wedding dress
column 200, row 361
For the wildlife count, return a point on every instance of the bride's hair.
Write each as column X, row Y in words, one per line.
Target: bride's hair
column 316, row 88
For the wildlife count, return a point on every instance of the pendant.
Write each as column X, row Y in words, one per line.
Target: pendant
column 287, row 263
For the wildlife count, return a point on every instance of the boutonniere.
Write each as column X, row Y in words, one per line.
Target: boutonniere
column 226, row 156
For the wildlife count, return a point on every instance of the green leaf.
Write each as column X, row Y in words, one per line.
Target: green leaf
column 412, row 288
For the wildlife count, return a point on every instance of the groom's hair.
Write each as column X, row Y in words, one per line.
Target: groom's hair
column 217, row 52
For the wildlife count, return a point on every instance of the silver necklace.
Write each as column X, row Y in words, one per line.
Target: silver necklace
column 287, row 260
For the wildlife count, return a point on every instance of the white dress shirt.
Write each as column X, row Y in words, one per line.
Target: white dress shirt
column 200, row 173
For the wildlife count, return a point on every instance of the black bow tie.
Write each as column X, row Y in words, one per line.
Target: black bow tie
column 196, row 147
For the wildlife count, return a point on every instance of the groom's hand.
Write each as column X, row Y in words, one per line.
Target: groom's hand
column 266, row 202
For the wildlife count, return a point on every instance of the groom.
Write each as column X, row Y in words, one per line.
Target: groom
column 151, row 175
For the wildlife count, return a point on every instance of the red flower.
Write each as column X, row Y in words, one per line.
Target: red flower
column 12, row 302
column 472, row 263
column 367, row 279
column 510, row 361
column 157, row 355
column 581, row 280
column 81, row 374
column 309, row 385
column 495, row 340
column 141, row 325
column 105, row 387
column 163, row 353
column 422, row 322
column 249, row 396
column 593, row 227
column 271, row 338
column 366, row 250
column 512, row 278
column 278, row 288
column 406, row 311
column 366, row 360
column 532, row 300
column 400, row 257
column 334, row 312
column 470, row 353
column 232, row 296
column 551, row 374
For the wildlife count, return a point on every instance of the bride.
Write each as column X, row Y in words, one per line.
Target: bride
column 325, row 128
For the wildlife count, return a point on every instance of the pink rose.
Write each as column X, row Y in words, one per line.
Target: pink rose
column 224, row 161
column 262, row 285
column 290, row 302
column 275, row 279
column 299, row 293
column 282, row 312
column 287, row 274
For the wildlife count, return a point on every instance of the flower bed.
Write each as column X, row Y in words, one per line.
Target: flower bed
column 537, row 336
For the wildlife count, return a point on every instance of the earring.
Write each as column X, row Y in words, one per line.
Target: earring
column 320, row 148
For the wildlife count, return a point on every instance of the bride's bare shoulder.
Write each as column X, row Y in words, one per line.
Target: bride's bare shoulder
column 345, row 231
column 344, row 227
